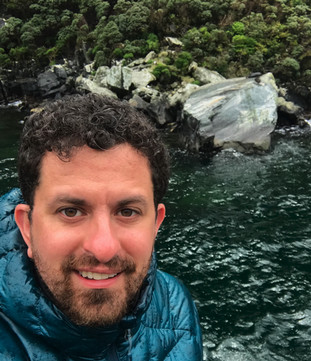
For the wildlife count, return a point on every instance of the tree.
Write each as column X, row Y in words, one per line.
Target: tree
column 10, row 33
column 4, row 58
column 134, row 22
column 183, row 61
column 287, row 68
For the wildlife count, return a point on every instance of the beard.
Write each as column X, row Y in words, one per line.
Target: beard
column 91, row 307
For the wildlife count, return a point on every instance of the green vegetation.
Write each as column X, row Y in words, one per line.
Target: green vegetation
column 233, row 37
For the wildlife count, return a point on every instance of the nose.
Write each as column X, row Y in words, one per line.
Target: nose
column 101, row 240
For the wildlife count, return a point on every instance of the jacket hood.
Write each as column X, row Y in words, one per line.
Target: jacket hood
column 25, row 304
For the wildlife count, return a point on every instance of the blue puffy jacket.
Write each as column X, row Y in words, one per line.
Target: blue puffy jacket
column 164, row 325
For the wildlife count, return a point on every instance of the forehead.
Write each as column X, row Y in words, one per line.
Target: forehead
column 87, row 167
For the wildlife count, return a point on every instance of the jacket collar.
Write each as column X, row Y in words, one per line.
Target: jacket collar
column 26, row 304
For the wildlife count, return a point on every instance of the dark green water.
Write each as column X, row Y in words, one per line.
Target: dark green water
column 10, row 128
column 238, row 234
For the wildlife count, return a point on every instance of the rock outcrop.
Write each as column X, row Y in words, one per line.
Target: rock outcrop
column 212, row 112
column 236, row 113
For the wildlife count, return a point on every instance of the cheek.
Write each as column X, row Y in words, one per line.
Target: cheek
column 139, row 244
column 52, row 243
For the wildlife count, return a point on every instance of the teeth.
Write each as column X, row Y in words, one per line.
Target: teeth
column 96, row 276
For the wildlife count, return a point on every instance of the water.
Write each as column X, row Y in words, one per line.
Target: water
column 238, row 234
column 10, row 128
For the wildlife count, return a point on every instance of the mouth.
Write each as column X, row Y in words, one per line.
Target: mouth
column 96, row 276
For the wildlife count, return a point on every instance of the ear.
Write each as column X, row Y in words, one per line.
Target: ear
column 23, row 222
column 160, row 216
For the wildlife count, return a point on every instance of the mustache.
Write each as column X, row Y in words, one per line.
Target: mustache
column 127, row 265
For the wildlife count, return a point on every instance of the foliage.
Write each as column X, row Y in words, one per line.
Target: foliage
column 238, row 28
column 183, row 61
column 230, row 36
column 153, row 42
column 162, row 73
column 4, row 58
column 287, row 68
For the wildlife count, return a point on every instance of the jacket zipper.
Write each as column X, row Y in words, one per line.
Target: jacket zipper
column 113, row 356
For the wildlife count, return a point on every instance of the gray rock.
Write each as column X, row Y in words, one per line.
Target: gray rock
column 237, row 113
column 182, row 94
column 290, row 114
column 288, row 106
column 206, row 76
column 152, row 102
column 150, row 56
column 123, row 78
column 91, row 86
column 114, row 77
column 60, row 71
column 143, row 61
column 173, row 41
column 89, row 68
column 126, row 78
column 47, row 82
column 141, row 78
column 101, row 76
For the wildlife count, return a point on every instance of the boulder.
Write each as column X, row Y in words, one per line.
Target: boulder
column 88, row 68
column 53, row 81
column 238, row 113
column 114, row 77
column 206, row 76
column 289, row 113
column 182, row 94
column 90, row 86
column 173, row 42
column 48, row 82
column 60, row 72
column 143, row 61
column 123, row 78
column 126, row 78
column 101, row 76
column 153, row 103
column 118, row 78
column 141, row 78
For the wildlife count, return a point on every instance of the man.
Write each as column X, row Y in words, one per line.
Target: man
column 84, row 285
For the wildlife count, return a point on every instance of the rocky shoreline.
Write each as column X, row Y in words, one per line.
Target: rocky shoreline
column 207, row 111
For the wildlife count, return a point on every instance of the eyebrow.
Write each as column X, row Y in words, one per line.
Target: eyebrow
column 82, row 203
column 135, row 199
column 68, row 200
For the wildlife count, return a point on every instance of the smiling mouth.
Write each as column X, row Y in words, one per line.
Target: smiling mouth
column 96, row 276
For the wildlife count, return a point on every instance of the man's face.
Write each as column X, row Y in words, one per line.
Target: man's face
column 92, row 231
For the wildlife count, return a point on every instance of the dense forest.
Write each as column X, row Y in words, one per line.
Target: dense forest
column 233, row 37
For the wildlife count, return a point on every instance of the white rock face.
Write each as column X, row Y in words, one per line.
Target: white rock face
column 206, row 76
column 238, row 113
column 122, row 77
column 91, row 86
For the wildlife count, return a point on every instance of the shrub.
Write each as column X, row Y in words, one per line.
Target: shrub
column 118, row 53
column 4, row 58
column 100, row 59
column 183, row 61
column 153, row 42
column 244, row 45
column 287, row 68
column 128, row 56
column 162, row 73
column 238, row 28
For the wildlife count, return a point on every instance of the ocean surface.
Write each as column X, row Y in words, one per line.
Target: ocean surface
column 238, row 234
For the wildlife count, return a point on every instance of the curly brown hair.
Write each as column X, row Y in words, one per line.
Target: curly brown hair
column 96, row 121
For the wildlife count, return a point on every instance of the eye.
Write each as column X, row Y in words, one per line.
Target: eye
column 71, row 212
column 127, row 212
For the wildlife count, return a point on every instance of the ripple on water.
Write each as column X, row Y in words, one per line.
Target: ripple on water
column 238, row 234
